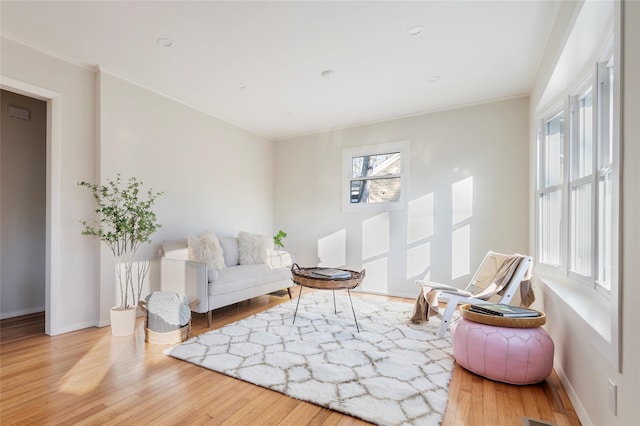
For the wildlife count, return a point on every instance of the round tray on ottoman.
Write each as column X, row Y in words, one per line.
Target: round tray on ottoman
column 527, row 322
column 513, row 355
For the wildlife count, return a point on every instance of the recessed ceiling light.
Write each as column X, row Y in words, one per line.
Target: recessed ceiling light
column 433, row 78
column 328, row 74
column 165, row 42
column 414, row 31
column 241, row 86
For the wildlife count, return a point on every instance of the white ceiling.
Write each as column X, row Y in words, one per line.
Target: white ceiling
column 481, row 50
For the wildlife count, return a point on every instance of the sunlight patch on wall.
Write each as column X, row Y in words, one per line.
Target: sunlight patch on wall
column 420, row 218
column 461, row 212
column 461, row 200
column 460, row 251
column 375, row 236
column 332, row 249
column 418, row 260
column 376, row 279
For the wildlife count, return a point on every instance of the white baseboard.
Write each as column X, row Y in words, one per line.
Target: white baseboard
column 22, row 312
column 573, row 396
column 78, row 326
column 392, row 294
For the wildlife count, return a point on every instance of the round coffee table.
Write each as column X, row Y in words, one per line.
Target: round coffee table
column 307, row 277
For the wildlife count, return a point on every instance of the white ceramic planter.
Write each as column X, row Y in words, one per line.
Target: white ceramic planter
column 123, row 322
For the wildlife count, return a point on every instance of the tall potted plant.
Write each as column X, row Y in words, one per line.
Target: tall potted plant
column 125, row 220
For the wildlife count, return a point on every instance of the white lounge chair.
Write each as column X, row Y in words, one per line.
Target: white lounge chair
column 496, row 281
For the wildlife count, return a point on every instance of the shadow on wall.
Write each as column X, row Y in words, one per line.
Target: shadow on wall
column 421, row 229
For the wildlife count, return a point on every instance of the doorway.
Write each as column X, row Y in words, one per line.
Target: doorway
column 53, row 191
column 23, row 214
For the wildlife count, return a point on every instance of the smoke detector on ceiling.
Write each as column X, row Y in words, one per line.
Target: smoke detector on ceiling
column 414, row 31
column 328, row 74
column 165, row 42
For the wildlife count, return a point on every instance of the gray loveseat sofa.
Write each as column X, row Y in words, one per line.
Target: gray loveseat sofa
column 217, row 287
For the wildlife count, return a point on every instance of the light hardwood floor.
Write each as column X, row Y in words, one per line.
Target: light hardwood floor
column 90, row 377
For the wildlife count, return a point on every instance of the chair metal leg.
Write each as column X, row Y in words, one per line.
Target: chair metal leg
column 289, row 291
column 335, row 310
column 446, row 317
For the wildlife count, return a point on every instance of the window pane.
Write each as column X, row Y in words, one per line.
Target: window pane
column 550, row 227
column 581, row 229
column 554, row 151
column 610, row 113
column 605, row 159
column 604, row 230
column 605, row 113
column 375, row 190
column 583, row 139
column 376, row 165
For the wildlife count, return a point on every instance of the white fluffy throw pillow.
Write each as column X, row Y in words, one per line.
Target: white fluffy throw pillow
column 206, row 248
column 253, row 249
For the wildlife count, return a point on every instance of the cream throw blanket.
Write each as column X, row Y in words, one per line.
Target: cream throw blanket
column 427, row 301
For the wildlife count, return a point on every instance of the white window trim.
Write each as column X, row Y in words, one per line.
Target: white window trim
column 542, row 189
column 594, row 305
column 404, row 147
column 567, row 109
column 588, row 85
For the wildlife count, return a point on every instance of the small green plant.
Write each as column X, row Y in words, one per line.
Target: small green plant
column 277, row 239
column 124, row 222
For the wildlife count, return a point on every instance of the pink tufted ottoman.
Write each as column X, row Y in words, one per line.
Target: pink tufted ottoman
column 518, row 356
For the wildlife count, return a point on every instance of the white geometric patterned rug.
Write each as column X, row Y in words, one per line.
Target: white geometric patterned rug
column 390, row 373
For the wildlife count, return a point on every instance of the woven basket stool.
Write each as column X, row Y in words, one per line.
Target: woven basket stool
column 519, row 356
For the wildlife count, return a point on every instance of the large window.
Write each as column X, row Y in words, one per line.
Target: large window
column 576, row 182
column 375, row 177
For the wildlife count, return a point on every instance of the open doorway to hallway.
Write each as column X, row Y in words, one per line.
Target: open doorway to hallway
column 23, row 182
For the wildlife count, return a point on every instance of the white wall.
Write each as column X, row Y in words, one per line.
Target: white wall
column 486, row 142
column 584, row 370
column 629, row 379
column 214, row 175
column 74, row 149
column 22, row 210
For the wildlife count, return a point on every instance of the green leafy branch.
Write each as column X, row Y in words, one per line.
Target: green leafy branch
column 124, row 221
column 277, row 239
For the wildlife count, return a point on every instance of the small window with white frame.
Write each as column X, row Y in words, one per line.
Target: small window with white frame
column 375, row 177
